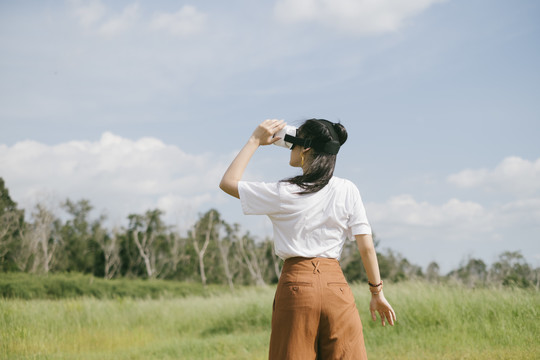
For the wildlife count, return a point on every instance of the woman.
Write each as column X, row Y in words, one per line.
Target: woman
column 314, row 314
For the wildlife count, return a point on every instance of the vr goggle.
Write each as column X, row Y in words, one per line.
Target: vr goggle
column 289, row 137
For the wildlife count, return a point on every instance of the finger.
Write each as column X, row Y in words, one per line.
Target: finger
column 278, row 126
column 382, row 318
column 269, row 123
column 273, row 121
column 274, row 125
column 281, row 125
column 269, row 129
column 392, row 314
column 373, row 316
column 274, row 140
column 389, row 318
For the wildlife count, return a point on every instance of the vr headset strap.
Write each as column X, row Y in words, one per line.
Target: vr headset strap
column 306, row 143
column 330, row 147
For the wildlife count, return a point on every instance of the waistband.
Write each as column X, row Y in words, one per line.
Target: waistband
column 309, row 264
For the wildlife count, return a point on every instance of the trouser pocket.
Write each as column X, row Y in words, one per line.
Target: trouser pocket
column 294, row 295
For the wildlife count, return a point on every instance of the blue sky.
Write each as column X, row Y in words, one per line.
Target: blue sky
column 136, row 105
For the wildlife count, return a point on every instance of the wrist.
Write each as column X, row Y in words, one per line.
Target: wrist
column 375, row 289
column 254, row 141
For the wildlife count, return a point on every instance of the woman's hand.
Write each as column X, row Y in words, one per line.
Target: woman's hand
column 263, row 134
column 380, row 304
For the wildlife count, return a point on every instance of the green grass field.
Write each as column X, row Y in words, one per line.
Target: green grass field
column 434, row 322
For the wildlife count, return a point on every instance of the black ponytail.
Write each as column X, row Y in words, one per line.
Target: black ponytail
column 326, row 138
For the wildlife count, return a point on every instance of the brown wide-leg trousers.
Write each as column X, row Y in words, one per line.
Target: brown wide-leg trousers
column 314, row 314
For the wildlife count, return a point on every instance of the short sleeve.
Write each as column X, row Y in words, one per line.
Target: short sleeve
column 358, row 222
column 259, row 198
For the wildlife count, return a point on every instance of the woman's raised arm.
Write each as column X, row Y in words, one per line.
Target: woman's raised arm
column 263, row 135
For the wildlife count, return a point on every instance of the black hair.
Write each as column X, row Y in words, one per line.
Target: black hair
column 321, row 167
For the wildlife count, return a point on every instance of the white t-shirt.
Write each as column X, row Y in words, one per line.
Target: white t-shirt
column 311, row 225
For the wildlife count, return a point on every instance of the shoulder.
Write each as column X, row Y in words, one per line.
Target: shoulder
column 342, row 183
column 345, row 187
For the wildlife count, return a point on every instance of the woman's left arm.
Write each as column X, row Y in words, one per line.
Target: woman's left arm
column 263, row 135
column 369, row 259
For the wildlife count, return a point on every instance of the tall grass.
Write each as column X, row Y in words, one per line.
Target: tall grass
column 71, row 285
column 453, row 322
column 216, row 327
column 434, row 322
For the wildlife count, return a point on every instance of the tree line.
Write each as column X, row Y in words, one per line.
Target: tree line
column 212, row 250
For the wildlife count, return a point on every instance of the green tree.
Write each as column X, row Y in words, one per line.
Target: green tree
column 225, row 242
column 146, row 231
column 473, row 273
column 204, row 237
column 433, row 272
column 512, row 270
column 109, row 244
column 11, row 225
column 80, row 250
column 46, row 239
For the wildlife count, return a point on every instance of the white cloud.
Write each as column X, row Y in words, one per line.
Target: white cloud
column 188, row 20
column 521, row 212
column 116, row 174
column 426, row 232
column 89, row 12
column 122, row 22
column 93, row 15
column 513, row 175
column 357, row 16
column 404, row 210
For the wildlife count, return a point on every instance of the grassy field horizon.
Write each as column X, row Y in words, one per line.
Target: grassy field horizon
column 435, row 321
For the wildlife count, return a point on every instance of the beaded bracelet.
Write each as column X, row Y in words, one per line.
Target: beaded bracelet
column 379, row 284
column 375, row 286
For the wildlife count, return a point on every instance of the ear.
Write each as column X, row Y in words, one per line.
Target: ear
column 306, row 150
